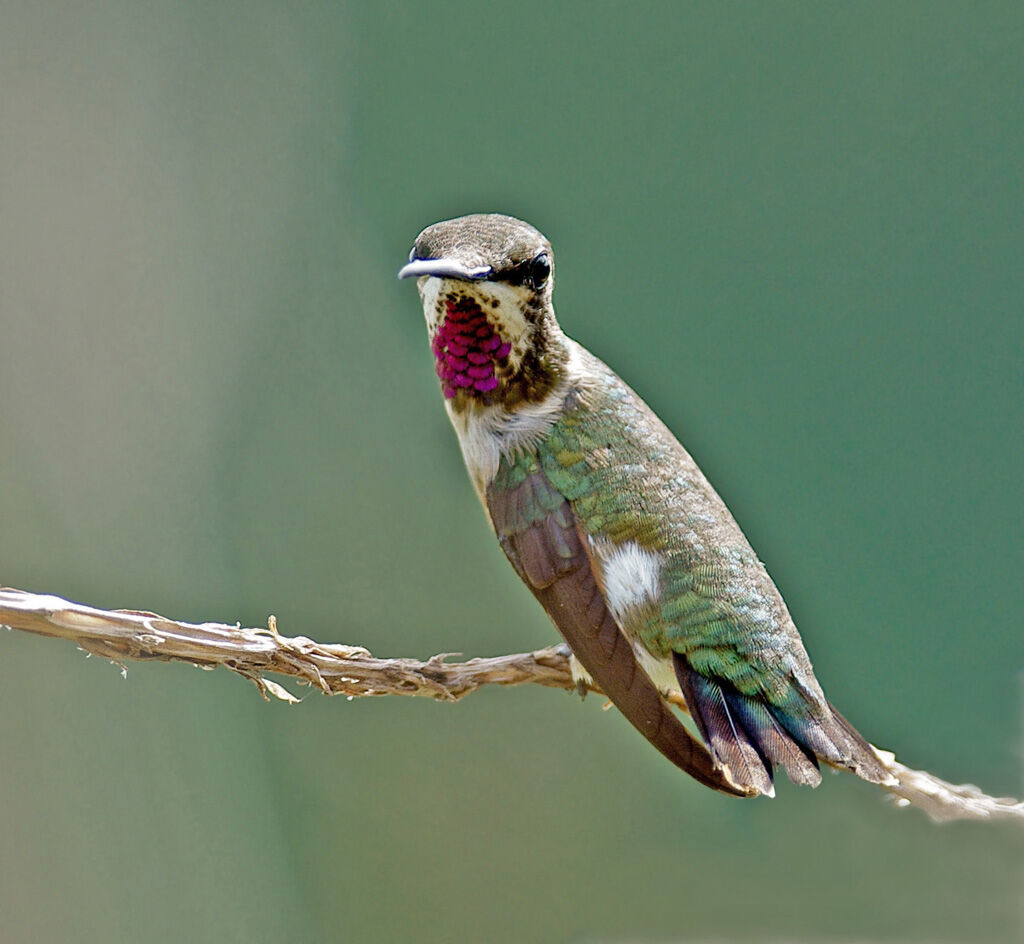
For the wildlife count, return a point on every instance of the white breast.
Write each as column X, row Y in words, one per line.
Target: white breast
column 486, row 436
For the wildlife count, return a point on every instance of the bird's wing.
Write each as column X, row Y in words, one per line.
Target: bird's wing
column 718, row 624
column 539, row 533
column 722, row 632
column 748, row 683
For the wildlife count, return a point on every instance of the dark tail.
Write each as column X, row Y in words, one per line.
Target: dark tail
column 750, row 737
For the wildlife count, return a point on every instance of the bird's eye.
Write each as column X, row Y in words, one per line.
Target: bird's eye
column 540, row 270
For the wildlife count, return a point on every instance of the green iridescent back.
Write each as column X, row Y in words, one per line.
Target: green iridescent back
column 628, row 479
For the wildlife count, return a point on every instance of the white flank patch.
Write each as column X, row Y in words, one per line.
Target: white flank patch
column 631, row 574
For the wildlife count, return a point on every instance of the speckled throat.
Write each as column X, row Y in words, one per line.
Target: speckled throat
column 480, row 365
column 469, row 353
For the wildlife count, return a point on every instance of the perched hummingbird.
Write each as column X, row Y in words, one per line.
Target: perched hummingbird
column 609, row 522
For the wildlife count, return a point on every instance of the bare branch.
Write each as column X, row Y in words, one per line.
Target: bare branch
column 944, row 801
column 133, row 635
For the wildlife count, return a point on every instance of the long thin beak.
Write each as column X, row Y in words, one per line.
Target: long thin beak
column 444, row 269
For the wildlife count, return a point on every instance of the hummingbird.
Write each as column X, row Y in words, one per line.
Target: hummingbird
column 615, row 530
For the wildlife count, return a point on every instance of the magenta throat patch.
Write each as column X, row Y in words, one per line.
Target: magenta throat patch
column 467, row 350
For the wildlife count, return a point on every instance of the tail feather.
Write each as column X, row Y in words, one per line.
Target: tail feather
column 723, row 731
column 748, row 736
column 861, row 758
column 774, row 743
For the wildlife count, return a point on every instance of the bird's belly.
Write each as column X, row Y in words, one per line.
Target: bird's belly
column 660, row 670
column 631, row 582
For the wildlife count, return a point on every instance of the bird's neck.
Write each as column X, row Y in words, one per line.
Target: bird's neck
column 518, row 421
column 485, row 368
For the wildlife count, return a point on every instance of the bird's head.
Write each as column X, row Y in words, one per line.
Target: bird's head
column 485, row 282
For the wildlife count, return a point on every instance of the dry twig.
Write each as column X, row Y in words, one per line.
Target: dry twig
column 132, row 635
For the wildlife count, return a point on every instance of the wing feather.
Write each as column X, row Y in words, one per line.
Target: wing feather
column 539, row 534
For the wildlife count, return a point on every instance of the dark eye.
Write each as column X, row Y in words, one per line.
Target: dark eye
column 540, row 270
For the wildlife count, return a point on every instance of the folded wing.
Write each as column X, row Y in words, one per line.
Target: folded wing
column 538, row 532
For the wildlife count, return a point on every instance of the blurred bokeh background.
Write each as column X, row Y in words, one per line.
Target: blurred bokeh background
column 795, row 228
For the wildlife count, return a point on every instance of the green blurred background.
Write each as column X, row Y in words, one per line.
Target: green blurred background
column 795, row 228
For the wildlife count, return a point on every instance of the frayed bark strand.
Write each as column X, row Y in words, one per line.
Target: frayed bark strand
column 133, row 635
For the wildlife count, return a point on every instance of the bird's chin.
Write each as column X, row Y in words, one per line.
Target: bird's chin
column 504, row 304
column 471, row 355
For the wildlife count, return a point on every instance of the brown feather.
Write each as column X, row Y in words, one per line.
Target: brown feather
column 552, row 560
